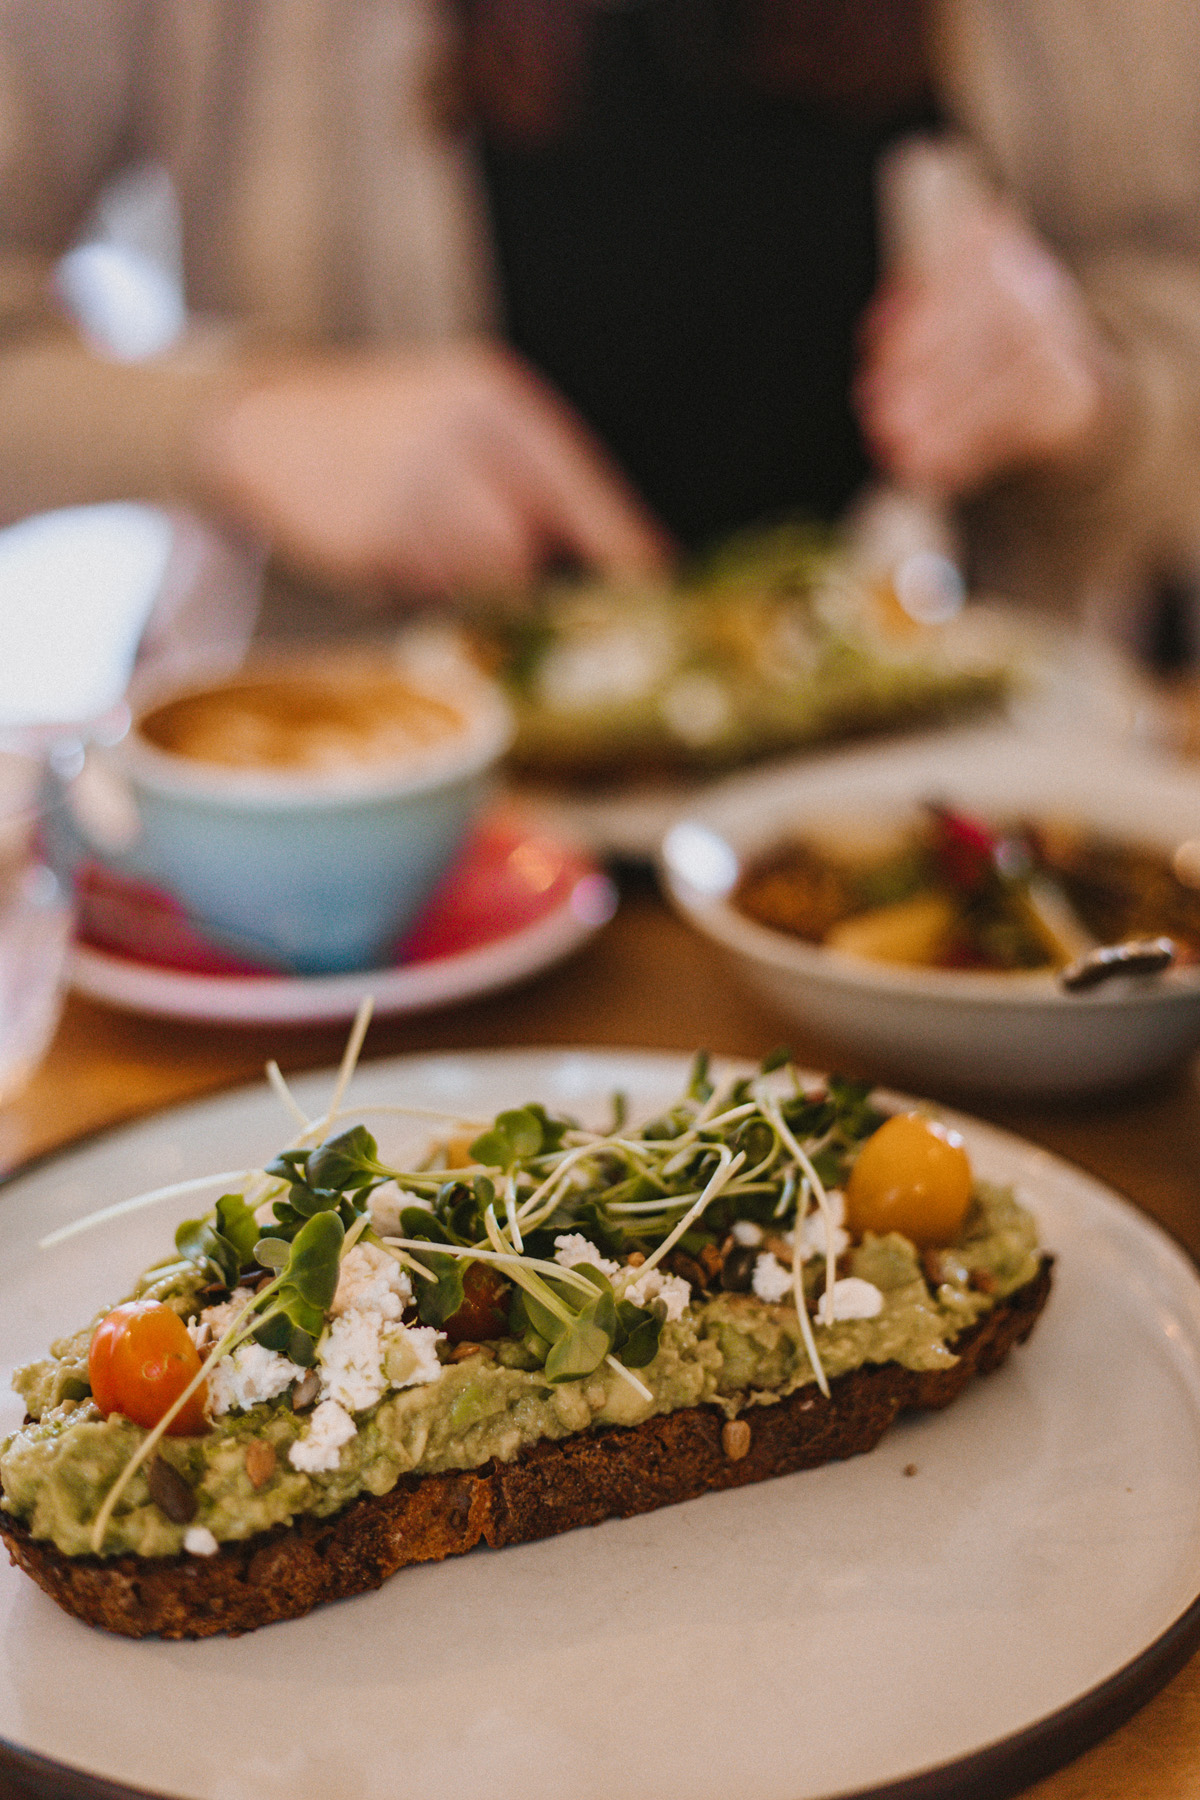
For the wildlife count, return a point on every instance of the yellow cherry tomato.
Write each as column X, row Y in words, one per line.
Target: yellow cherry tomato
column 911, row 1176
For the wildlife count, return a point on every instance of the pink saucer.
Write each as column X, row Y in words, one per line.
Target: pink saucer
column 516, row 900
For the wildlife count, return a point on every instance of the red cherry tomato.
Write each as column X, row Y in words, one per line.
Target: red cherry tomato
column 965, row 848
column 484, row 1311
column 141, row 1359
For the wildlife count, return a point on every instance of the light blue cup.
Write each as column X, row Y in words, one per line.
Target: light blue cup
column 314, row 873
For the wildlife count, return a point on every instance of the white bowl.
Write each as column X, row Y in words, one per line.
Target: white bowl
column 1013, row 1034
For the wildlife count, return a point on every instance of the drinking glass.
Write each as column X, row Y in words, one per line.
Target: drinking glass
column 35, row 926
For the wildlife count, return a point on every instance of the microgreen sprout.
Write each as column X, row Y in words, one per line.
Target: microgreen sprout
column 290, row 1103
column 172, row 1191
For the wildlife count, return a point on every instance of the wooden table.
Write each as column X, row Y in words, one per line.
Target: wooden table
column 648, row 981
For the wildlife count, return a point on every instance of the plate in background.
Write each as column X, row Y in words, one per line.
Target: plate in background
column 1080, row 688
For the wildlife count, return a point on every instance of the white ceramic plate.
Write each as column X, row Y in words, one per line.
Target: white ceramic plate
column 827, row 1633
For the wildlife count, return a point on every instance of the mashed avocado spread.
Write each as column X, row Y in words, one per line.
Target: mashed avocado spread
column 342, row 1324
column 731, row 1351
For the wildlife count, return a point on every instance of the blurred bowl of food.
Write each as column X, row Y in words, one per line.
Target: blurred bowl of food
column 915, row 908
column 301, row 808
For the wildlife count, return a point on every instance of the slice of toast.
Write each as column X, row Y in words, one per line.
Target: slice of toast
column 612, row 1472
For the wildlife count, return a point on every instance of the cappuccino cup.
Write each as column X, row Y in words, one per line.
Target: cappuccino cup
column 302, row 809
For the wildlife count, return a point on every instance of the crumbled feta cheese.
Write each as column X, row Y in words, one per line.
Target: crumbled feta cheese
column 198, row 1540
column 771, row 1281
column 215, row 1321
column 672, row 1290
column 370, row 1280
column 247, row 1378
column 745, row 1231
column 387, row 1202
column 410, row 1357
column 320, row 1447
column 813, row 1231
column 814, row 1237
column 571, row 1247
column 853, row 1298
column 362, row 1354
column 350, row 1360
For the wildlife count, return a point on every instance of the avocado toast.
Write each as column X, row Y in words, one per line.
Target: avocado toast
column 542, row 1327
column 774, row 643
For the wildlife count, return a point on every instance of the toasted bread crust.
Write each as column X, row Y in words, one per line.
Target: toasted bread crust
column 554, row 1486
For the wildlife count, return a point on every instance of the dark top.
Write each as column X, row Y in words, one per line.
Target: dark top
column 688, row 267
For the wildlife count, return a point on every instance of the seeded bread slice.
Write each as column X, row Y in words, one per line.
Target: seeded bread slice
column 554, row 1486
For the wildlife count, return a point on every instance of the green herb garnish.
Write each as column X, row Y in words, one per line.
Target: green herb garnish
column 760, row 1148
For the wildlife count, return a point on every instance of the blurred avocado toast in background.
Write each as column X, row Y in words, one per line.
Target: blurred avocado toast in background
column 774, row 642
column 347, row 1367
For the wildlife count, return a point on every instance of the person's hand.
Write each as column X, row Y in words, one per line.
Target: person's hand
column 429, row 472
column 984, row 360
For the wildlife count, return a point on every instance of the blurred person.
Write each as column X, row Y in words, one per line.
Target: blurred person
column 667, row 209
